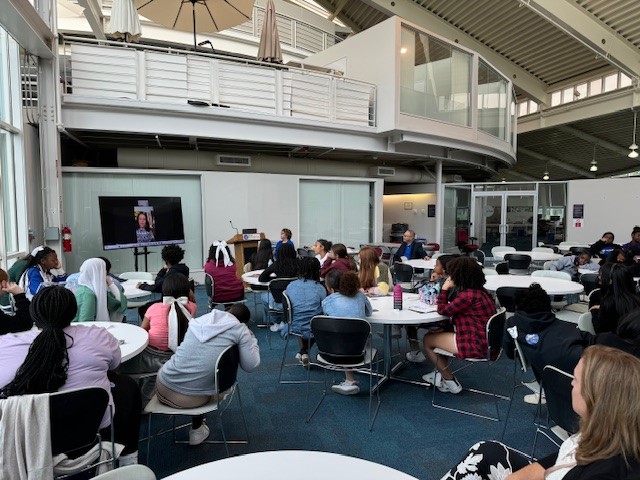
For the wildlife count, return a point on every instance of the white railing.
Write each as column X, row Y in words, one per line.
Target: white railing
column 159, row 75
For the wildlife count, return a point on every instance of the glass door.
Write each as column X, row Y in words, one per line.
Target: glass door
column 487, row 224
column 519, row 224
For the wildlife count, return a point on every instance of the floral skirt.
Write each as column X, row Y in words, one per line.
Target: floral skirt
column 487, row 461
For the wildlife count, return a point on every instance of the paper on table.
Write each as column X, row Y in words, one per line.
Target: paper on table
column 420, row 307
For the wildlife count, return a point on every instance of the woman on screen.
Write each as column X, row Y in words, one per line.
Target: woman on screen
column 144, row 233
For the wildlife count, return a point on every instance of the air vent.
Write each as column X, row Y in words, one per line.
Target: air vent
column 383, row 171
column 234, row 161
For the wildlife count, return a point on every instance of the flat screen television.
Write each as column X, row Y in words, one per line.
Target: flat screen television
column 142, row 221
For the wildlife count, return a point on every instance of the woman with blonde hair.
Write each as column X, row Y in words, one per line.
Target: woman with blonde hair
column 373, row 274
column 606, row 388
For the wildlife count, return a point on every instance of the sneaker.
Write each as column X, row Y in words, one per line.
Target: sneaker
column 129, row 459
column 303, row 358
column 534, row 398
column 198, row 435
column 396, row 331
column 416, row 356
column 346, row 388
column 276, row 327
column 433, row 378
column 450, row 386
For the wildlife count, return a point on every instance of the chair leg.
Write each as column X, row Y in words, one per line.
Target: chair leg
column 372, row 420
column 149, row 437
column 324, row 393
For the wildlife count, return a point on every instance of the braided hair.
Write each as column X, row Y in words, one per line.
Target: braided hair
column 45, row 367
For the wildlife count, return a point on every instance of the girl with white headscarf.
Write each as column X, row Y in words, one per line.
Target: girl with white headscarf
column 96, row 294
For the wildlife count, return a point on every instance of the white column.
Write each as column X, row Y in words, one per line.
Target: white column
column 439, row 203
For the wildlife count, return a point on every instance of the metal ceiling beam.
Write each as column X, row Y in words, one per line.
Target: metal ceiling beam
column 593, row 139
column 93, row 14
column 534, row 88
column 521, row 176
column 24, row 24
column 575, row 21
column 556, row 162
column 327, row 5
column 337, row 9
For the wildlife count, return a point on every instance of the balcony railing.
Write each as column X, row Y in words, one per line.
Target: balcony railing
column 100, row 69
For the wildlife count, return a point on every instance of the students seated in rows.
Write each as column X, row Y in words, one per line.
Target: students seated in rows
column 603, row 247
column 571, row 263
column 97, row 295
column 61, row 356
column 263, row 257
column 285, row 237
column 409, row 248
column 222, row 267
column 337, row 259
column 306, row 295
column 469, row 309
column 187, row 380
column 21, row 319
column 605, row 390
column 616, row 297
column 39, row 271
column 285, row 266
column 345, row 300
column 172, row 255
column 322, row 248
column 374, row 275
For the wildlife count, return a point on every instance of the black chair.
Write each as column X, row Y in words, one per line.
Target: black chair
column 579, row 250
column 287, row 313
column 495, row 332
column 303, row 252
column 518, row 263
column 226, row 371
column 276, row 288
column 557, row 389
column 478, row 255
column 507, row 297
column 344, row 344
column 589, row 282
column 403, row 273
column 502, row 268
column 210, row 287
column 75, row 417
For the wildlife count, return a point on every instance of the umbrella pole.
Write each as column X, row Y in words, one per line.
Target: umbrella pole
column 193, row 14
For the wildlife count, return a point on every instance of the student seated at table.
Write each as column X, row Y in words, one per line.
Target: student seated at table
column 439, row 275
column 469, row 310
column 222, row 267
column 285, row 237
column 263, row 256
column 21, row 319
column 604, row 246
column 345, row 300
column 616, row 297
column 322, row 248
column 285, row 266
column 374, row 275
column 60, row 356
column 187, row 380
column 172, row 255
column 571, row 263
column 633, row 247
column 626, row 336
column 605, row 390
column 39, row 271
column 97, row 294
column 409, row 248
column 20, row 266
column 338, row 259
column 306, row 295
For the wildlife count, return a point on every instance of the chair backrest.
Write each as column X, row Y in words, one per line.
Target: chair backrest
column 136, row 276
column 209, row 285
column 287, row 308
column 303, row 252
column 507, row 296
column 502, row 268
column 557, row 391
column 518, row 261
column 434, row 247
column 340, row 340
column 585, row 323
column 497, row 249
column 542, row 250
column 495, row 333
column 75, row 419
column 589, row 282
column 277, row 286
column 551, row 274
column 402, row 272
column 547, row 265
column 489, row 272
column 578, row 250
column 227, row 368
column 478, row 255
column 128, row 472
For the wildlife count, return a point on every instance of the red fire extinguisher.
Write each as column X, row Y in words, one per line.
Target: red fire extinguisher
column 66, row 239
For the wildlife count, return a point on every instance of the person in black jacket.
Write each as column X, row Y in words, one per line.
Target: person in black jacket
column 604, row 246
column 172, row 255
column 21, row 321
column 605, row 393
column 410, row 248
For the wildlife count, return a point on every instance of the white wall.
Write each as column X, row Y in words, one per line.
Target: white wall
column 417, row 218
column 610, row 204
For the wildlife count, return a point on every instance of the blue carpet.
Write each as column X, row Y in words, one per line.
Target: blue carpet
column 409, row 434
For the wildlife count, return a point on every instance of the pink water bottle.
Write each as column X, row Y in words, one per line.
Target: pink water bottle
column 397, row 297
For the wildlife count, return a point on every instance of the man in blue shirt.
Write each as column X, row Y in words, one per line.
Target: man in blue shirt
column 410, row 248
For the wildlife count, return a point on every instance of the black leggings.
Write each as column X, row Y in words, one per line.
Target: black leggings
column 128, row 405
column 484, row 456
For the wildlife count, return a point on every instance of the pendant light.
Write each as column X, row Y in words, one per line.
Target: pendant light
column 634, row 147
column 594, row 162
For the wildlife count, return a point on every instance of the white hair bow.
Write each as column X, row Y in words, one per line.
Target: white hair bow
column 222, row 245
column 35, row 251
column 174, row 303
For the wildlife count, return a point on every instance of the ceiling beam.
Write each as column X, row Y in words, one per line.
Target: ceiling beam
column 556, row 162
column 531, row 85
column 93, row 14
column 327, row 5
column 336, row 11
column 24, row 24
column 593, row 139
column 588, row 30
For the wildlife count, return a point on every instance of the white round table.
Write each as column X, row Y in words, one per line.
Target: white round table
column 421, row 263
column 535, row 256
column 288, row 465
column 553, row 286
column 133, row 339
column 131, row 291
column 252, row 278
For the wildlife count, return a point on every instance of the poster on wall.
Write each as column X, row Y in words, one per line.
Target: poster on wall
column 431, row 210
column 578, row 210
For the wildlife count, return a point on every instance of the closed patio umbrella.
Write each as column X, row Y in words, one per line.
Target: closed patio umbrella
column 269, row 49
column 125, row 23
column 203, row 16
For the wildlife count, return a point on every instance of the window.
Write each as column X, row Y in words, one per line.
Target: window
column 556, row 98
column 595, row 87
column 610, row 82
column 492, row 101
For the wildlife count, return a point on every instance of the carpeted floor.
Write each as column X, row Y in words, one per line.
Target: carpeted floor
column 409, row 435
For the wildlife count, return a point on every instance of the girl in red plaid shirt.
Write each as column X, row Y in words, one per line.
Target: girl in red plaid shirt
column 464, row 299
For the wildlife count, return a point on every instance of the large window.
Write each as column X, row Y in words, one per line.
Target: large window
column 492, row 101
column 435, row 79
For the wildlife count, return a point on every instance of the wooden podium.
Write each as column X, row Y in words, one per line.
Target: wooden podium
column 242, row 242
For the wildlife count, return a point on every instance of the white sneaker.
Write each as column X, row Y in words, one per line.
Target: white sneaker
column 533, row 399
column 303, row 358
column 450, row 386
column 433, row 378
column 396, row 331
column 198, row 435
column 346, row 388
column 276, row 327
column 416, row 356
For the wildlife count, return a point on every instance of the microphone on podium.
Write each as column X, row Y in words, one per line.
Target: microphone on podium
column 237, row 231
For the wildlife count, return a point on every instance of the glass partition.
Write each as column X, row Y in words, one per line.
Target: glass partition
column 435, row 79
column 492, row 101
column 457, row 216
